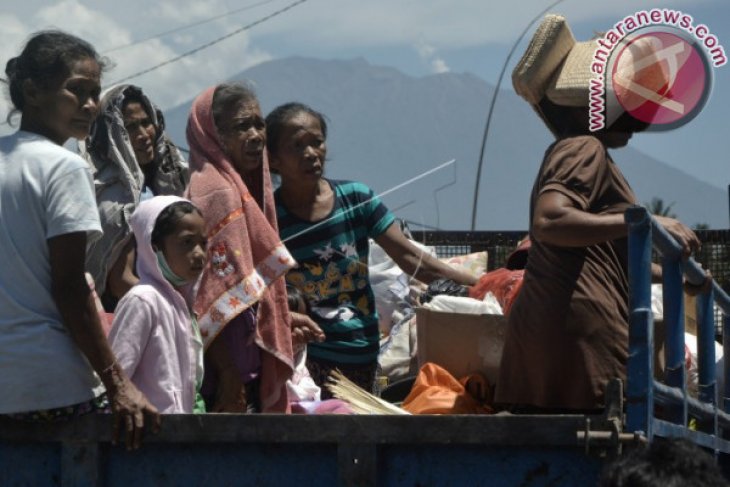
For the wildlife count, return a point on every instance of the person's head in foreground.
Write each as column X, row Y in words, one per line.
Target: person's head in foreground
column 665, row 463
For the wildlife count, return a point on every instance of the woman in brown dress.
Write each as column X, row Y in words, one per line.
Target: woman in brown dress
column 568, row 328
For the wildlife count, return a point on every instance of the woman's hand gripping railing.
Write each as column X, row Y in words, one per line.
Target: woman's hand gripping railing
column 642, row 389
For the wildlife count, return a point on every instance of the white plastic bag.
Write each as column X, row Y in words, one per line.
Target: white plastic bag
column 458, row 304
column 301, row 387
column 398, row 353
column 691, row 363
column 391, row 286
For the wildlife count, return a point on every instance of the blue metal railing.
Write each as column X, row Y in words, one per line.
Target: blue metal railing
column 643, row 391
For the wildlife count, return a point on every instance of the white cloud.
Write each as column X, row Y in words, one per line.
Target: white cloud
column 171, row 84
column 447, row 25
column 311, row 29
column 183, row 39
column 427, row 53
column 424, row 50
column 184, row 12
column 105, row 28
column 12, row 34
column 92, row 25
column 439, row 66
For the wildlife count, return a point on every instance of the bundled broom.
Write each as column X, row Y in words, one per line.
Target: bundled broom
column 361, row 401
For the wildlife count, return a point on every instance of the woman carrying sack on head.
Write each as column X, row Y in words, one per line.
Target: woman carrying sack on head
column 568, row 328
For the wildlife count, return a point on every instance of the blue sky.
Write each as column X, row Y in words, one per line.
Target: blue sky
column 419, row 37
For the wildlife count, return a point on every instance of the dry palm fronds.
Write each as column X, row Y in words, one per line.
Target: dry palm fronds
column 361, row 401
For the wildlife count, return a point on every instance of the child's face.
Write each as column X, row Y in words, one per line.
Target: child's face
column 185, row 248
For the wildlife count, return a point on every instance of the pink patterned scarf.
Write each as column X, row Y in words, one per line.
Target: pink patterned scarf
column 247, row 260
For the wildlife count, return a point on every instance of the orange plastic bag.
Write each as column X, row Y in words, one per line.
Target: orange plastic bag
column 503, row 283
column 435, row 391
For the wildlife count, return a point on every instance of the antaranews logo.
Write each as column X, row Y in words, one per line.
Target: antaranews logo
column 656, row 66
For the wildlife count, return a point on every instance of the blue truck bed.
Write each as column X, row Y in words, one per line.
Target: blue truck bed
column 313, row 450
column 500, row 450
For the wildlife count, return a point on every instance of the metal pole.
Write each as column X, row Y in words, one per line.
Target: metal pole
column 640, row 373
column 726, row 362
column 706, row 348
column 673, row 297
column 707, row 381
column 491, row 110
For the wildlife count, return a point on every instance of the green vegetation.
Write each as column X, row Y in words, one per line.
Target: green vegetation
column 657, row 207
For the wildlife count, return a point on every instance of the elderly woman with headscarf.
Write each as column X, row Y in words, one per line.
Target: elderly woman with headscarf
column 568, row 328
column 241, row 299
column 133, row 160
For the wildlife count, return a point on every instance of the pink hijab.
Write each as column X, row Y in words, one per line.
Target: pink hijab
column 246, row 259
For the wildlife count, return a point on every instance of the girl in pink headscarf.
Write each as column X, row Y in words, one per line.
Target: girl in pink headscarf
column 241, row 300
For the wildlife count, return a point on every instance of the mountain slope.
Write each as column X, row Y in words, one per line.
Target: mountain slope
column 386, row 128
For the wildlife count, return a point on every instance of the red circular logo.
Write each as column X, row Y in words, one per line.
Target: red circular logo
column 661, row 78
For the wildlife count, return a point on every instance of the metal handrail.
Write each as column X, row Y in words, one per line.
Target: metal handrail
column 694, row 272
column 642, row 389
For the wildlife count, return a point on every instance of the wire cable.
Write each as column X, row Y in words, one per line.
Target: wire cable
column 199, row 48
column 188, row 26
column 386, row 192
column 491, row 110
column 208, row 44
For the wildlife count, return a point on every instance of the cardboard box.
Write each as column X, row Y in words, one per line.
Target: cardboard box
column 461, row 343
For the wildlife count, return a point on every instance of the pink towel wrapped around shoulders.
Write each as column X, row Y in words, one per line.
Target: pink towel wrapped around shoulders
column 246, row 259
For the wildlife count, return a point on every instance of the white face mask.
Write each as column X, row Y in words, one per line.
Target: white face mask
column 167, row 272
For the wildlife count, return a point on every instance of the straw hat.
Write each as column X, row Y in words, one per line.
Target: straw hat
column 555, row 65
column 558, row 68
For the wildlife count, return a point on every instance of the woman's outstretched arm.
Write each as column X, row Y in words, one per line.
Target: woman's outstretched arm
column 417, row 263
